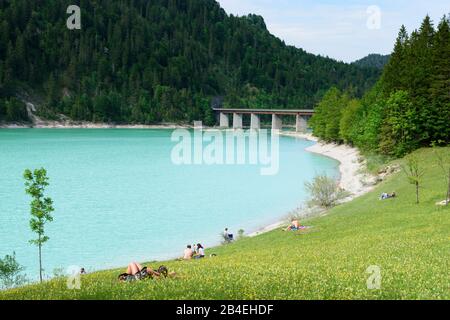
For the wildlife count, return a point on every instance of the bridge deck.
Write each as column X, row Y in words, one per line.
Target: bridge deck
column 303, row 112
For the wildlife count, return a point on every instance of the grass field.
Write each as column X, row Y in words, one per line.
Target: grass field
column 409, row 242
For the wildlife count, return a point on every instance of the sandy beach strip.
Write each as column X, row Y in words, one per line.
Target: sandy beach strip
column 353, row 177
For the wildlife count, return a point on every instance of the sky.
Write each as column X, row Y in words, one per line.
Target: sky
column 343, row 30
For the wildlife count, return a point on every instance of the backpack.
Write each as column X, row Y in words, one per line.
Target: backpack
column 163, row 270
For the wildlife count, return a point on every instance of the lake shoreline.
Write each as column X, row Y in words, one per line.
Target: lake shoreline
column 90, row 125
column 353, row 177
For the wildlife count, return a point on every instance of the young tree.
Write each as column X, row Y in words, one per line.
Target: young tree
column 414, row 173
column 11, row 272
column 41, row 208
column 325, row 192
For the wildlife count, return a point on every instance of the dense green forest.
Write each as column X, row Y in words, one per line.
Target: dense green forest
column 373, row 61
column 409, row 107
column 151, row 61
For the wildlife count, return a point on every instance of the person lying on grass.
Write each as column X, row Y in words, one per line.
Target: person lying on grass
column 136, row 272
column 295, row 226
column 385, row 195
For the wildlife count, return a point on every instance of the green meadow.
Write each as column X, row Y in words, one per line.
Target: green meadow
column 409, row 242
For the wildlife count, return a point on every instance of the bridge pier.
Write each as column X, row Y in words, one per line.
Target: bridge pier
column 277, row 124
column 237, row 121
column 301, row 123
column 224, row 120
column 255, row 123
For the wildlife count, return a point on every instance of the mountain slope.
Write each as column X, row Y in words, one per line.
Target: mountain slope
column 373, row 61
column 151, row 61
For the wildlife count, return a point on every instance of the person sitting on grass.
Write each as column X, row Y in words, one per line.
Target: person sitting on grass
column 188, row 253
column 201, row 252
column 227, row 236
column 295, row 225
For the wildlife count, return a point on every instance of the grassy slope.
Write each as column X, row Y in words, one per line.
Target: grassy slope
column 411, row 244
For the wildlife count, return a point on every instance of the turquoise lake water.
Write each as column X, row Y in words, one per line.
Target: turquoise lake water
column 118, row 197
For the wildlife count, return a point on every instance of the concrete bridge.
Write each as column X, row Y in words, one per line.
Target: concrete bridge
column 301, row 124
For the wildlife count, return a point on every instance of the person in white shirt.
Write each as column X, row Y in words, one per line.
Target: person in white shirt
column 200, row 252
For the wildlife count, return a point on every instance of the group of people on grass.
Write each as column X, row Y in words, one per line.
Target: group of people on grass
column 196, row 252
column 135, row 271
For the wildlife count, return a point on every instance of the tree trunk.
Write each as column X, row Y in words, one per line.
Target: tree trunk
column 40, row 260
column 417, row 193
column 448, row 190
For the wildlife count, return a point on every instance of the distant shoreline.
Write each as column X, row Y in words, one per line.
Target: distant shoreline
column 90, row 125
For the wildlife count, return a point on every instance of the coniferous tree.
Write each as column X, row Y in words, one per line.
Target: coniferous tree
column 394, row 76
column 439, row 89
column 408, row 108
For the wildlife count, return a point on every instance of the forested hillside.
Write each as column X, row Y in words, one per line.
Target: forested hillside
column 408, row 108
column 373, row 61
column 150, row 61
